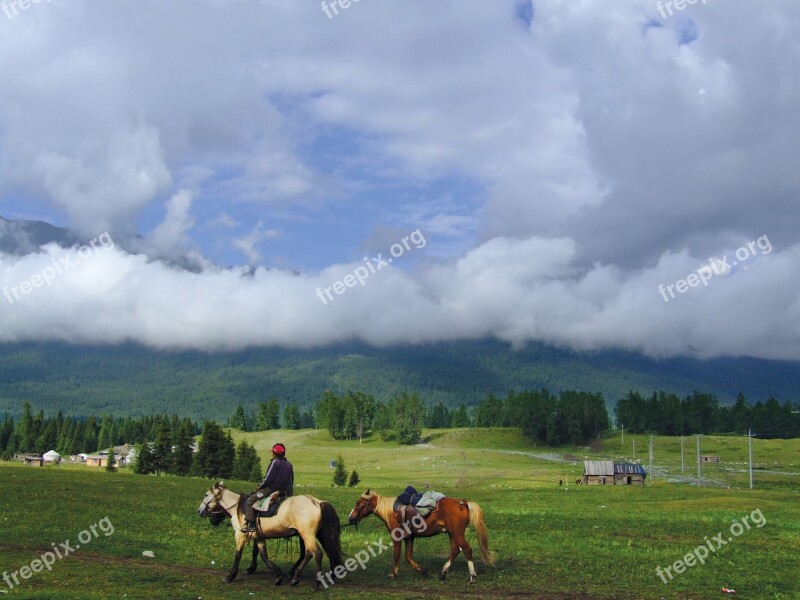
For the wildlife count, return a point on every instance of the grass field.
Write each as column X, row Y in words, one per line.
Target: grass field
column 551, row 541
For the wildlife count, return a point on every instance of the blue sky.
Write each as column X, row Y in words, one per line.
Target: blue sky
column 563, row 160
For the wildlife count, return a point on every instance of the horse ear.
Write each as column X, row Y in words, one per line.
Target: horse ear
column 367, row 492
column 221, row 484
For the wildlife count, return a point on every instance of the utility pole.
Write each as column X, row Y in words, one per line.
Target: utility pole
column 652, row 477
column 682, row 463
column 634, row 448
column 623, row 434
column 698, row 460
column 750, row 448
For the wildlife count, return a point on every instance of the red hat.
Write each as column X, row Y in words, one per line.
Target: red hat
column 279, row 449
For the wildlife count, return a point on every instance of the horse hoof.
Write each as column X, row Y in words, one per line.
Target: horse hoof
column 424, row 572
column 442, row 576
column 250, row 571
column 391, row 576
column 227, row 579
column 295, row 582
column 472, row 578
column 278, row 581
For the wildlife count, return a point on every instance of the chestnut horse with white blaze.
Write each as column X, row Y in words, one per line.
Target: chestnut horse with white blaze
column 306, row 516
column 451, row 516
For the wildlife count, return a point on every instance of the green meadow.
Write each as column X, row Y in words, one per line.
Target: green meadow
column 550, row 540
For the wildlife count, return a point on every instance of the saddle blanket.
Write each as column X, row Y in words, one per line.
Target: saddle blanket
column 260, row 506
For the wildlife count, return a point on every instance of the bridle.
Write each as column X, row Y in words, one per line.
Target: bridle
column 216, row 498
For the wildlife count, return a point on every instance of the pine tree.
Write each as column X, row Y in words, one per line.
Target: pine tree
column 162, row 448
column 143, row 464
column 216, row 453
column 354, row 479
column 238, row 419
column 110, row 468
column 340, row 474
column 182, row 455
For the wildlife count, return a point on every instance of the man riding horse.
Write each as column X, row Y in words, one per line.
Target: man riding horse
column 279, row 478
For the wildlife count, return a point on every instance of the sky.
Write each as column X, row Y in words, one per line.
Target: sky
column 582, row 173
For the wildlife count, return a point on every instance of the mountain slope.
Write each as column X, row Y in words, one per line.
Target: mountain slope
column 135, row 380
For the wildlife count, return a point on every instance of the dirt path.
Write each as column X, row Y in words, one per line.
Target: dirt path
column 434, row 589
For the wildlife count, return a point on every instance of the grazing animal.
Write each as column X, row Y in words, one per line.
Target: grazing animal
column 451, row 516
column 306, row 516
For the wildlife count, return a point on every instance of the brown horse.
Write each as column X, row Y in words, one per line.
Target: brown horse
column 451, row 516
column 305, row 516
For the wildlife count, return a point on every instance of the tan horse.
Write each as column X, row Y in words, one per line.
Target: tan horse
column 306, row 516
column 451, row 516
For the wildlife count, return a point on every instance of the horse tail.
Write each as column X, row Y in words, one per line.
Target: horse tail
column 328, row 534
column 477, row 522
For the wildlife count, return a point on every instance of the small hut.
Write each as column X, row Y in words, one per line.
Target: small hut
column 709, row 458
column 629, row 474
column 598, row 472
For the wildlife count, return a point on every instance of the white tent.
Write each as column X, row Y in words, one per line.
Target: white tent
column 51, row 456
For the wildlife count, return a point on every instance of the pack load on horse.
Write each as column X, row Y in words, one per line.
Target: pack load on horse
column 449, row 515
column 278, row 484
column 412, row 503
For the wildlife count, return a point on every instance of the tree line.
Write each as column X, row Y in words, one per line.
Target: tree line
column 667, row 414
column 36, row 433
column 216, row 456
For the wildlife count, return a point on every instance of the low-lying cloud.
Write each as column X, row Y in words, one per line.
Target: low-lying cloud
column 517, row 290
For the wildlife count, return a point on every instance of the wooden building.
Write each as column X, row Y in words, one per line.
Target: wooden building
column 607, row 472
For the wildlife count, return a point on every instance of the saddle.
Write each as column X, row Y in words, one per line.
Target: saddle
column 268, row 506
column 406, row 508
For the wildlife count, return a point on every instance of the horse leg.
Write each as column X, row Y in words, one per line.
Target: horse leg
column 410, row 557
column 454, row 550
column 311, row 550
column 254, row 563
column 262, row 550
column 241, row 540
column 462, row 542
column 299, row 558
column 396, row 566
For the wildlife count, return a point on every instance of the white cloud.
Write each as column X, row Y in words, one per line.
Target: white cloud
column 608, row 154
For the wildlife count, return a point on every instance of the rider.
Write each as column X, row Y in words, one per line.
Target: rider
column 279, row 478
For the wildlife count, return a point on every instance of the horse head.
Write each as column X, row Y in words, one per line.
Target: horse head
column 210, row 505
column 365, row 506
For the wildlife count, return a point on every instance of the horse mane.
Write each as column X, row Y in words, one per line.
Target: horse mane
column 384, row 507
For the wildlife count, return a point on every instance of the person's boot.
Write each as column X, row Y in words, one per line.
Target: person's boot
column 249, row 527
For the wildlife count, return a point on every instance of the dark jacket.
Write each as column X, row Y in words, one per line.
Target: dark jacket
column 280, row 476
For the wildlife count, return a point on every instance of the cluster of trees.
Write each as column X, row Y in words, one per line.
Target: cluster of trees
column 569, row 417
column 269, row 417
column 36, row 433
column 216, row 456
column 353, row 414
column 340, row 474
column 667, row 414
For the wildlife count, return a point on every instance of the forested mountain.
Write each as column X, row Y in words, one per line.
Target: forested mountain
column 132, row 380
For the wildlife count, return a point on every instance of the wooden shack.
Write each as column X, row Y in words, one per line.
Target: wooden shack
column 607, row 472
column 598, row 472
column 629, row 474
